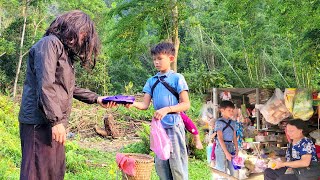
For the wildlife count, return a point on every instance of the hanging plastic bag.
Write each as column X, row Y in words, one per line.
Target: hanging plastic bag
column 160, row 143
column 302, row 105
column 289, row 94
column 274, row 111
column 209, row 152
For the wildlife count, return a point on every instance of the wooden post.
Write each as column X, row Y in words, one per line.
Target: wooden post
column 257, row 111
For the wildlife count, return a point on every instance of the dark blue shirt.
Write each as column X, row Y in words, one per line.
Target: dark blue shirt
column 304, row 146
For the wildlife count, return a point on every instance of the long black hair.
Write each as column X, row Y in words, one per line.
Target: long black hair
column 299, row 124
column 68, row 27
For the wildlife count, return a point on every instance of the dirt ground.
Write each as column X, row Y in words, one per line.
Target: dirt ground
column 108, row 145
column 82, row 129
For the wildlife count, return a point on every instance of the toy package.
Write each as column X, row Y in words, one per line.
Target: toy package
column 119, row 99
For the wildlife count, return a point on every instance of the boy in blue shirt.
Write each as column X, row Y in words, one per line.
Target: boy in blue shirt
column 167, row 108
column 227, row 144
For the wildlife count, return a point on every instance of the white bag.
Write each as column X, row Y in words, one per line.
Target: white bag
column 274, row 111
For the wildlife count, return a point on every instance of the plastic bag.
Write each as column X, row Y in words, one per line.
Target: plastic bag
column 238, row 161
column 160, row 143
column 274, row 111
column 302, row 105
column 316, row 135
column 209, row 152
column 260, row 166
column 289, row 94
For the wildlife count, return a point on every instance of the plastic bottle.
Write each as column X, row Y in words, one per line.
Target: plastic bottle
column 209, row 151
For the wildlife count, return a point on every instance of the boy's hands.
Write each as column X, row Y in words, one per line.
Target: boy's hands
column 59, row 133
column 228, row 156
column 160, row 113
column 108, row 105
column 237, row 152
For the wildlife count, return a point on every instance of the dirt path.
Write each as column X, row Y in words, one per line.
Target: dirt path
column 108, row 145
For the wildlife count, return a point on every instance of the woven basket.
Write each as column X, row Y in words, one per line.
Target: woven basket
column 144, row 165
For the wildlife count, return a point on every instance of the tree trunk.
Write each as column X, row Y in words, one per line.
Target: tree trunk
column 36, row 26
column 110, row 126
column 24, row 13
column 175, row 34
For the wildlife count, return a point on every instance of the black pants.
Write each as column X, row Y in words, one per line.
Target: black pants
column 278, row 174
column 42, row 158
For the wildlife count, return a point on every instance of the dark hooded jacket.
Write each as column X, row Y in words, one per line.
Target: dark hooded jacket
column 50, row 84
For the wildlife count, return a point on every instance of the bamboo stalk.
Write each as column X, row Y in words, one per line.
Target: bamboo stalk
column 225, row 59
column 245, row 54
column 264, row 53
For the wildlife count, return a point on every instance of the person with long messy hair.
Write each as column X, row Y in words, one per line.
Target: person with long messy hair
column 48, row 91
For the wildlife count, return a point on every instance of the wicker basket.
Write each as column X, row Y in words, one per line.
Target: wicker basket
column 144, row 165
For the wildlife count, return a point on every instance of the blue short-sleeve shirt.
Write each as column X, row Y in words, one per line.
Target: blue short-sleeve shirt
column 304, row 146
column 228, row 132
column 162, row 97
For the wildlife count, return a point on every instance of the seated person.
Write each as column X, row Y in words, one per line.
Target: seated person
column 301, row 153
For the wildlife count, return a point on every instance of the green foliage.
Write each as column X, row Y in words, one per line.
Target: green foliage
column 201, row 81
column 250, row 44
column 199, row 170
column 195, row 115
column 125, row 70
column 89, row 163
column 134, row 113
column 10, row 153
column 9, row 133
column 143, row 146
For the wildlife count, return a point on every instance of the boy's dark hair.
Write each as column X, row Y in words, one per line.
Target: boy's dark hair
column 299, row 124
column 163, row 48
column 68, row 27
column 225, row 104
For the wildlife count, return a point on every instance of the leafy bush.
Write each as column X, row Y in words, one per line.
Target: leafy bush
column 143, row 146
column 10, row 153
column 89, row 163
column 199, row 82
column 133, row 113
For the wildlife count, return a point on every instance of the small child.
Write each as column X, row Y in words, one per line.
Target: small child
column 227, row 144
column 168, row 108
